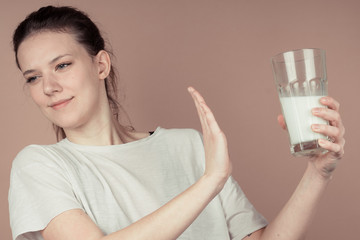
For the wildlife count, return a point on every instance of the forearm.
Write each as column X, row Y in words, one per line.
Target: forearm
column 294, row 219
column 172, row 219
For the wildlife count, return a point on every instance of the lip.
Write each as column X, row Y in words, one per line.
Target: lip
column 61, row 103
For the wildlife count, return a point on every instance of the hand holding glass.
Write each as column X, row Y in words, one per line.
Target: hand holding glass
column 300, row 77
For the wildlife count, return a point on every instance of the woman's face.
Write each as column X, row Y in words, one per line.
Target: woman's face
column 63, row 79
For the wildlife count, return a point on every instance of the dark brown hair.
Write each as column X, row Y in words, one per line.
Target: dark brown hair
column 76, row 22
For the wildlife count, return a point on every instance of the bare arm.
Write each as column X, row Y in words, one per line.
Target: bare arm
column 295, row 218
column 172, row 219
column 168, row 222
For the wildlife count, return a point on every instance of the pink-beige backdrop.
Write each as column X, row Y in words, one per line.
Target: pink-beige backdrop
column 223, row 48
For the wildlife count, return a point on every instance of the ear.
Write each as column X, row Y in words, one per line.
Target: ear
column 104, row 64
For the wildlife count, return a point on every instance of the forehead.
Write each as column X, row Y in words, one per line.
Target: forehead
column 44, row 46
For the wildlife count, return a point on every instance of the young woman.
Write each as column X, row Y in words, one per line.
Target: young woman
column 106, row 181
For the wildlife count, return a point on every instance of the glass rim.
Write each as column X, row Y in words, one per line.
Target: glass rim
column 277, row 56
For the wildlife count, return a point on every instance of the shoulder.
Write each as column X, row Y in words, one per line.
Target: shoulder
column 181, row 134
column 33, row 155
column 183, row 140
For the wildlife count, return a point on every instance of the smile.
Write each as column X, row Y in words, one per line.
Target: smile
column 60, row 104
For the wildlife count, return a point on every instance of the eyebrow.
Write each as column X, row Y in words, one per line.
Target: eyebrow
column 51, row 62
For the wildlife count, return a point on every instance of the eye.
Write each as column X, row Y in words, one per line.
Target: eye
column 62, row 66
column 31, row 79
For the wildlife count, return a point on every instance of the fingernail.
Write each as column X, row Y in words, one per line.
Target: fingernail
column 316, row 110
column 322, row 141
column 324, row 99
column 316, row 127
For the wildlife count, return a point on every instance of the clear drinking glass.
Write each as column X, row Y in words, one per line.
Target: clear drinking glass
column 300, row 77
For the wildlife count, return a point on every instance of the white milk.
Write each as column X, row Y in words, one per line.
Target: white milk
column 298, row 117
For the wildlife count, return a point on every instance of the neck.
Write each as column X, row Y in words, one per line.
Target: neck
column 100, row 132
column 102, row 129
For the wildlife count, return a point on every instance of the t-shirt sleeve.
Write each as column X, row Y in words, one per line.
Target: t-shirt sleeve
column 241, row 217
column 39, row 191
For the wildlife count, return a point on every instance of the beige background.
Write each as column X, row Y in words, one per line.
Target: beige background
column 223, row 48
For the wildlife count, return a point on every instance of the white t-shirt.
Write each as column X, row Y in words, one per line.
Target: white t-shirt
column 119, row 184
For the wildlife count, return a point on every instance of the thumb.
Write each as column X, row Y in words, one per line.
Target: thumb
column 281, row 121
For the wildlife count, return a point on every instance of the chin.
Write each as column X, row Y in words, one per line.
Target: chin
column 66, row 123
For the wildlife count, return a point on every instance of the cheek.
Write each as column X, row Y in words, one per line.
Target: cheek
column 89, row 85
column 37, row 96
column 79, row 81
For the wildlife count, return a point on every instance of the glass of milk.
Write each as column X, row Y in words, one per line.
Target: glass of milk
column 300, row 77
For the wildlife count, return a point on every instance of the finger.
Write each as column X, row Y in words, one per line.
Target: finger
column 210, row 118
column 335, row 148
column 199, row 109
column 206, row 112
column 281, row 121
column 327, row 130
column 330, row 103
column 333, row 116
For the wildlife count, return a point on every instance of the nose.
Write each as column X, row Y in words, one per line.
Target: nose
column 51, row 85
